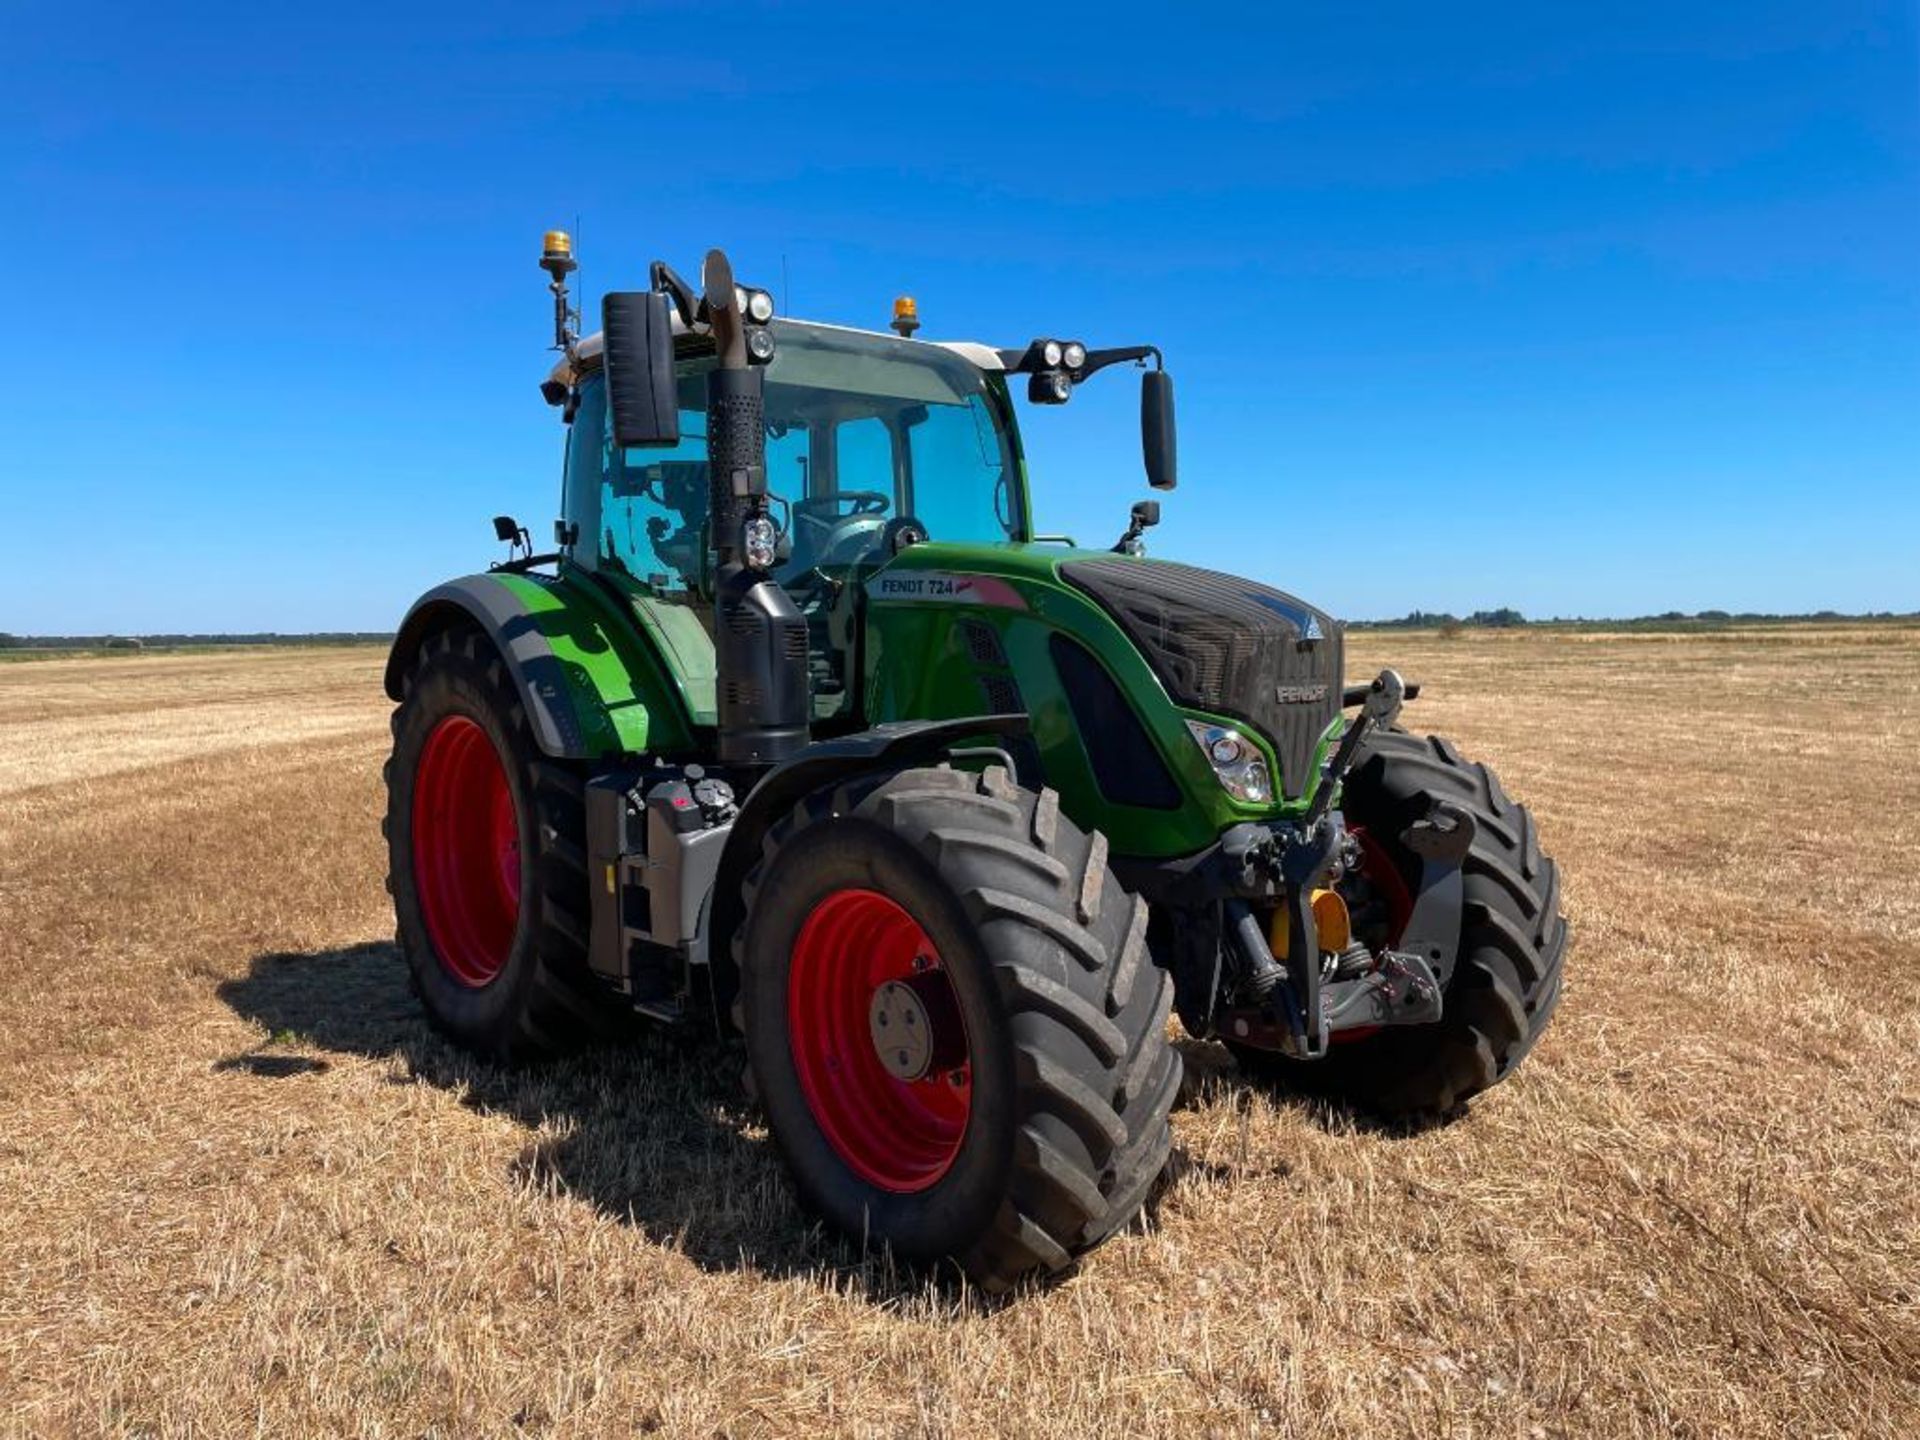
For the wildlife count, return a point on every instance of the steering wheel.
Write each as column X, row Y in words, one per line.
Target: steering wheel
column 834, row 527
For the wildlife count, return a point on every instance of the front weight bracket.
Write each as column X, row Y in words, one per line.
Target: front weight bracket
column 1440, row 839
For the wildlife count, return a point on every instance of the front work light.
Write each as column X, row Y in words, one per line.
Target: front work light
column 1049, row 387
column 757, row 537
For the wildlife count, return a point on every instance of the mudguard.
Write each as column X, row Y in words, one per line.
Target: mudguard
column 595, row 687
column 887, row 746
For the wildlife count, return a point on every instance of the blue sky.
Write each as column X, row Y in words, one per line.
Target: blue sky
column 1586, row 310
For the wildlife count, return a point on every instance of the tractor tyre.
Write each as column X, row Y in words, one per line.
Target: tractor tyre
column 1507, row 970
column 952, row 1022
column 486, row 860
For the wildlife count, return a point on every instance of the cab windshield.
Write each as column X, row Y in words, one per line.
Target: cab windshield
column 862, row 431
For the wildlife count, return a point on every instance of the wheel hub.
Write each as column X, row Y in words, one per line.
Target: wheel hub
column 915, row 1026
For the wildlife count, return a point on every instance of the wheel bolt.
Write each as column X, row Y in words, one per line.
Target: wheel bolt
column 957, row 1078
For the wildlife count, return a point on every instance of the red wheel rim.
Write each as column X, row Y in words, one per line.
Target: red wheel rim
column 897, row 1135
column 1377, row 867
column 466, row 851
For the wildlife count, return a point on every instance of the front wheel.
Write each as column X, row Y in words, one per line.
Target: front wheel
column 952, row 1022
column 1507, row 969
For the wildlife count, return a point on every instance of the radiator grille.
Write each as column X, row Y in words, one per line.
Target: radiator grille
column 1228, row 646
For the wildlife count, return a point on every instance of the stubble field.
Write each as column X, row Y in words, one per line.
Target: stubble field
column 244, row 1189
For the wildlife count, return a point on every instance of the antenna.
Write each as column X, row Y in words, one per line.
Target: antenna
column 786, row 290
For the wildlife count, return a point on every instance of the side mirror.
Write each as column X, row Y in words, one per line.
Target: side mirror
column 1157, row 444
column 641, row 395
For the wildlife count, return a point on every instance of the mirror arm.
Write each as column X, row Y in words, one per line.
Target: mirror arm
column 1020, row 362
column 1098, row 360
column 661, row 276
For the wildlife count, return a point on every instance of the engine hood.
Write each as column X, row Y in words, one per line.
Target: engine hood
column 1227, row 646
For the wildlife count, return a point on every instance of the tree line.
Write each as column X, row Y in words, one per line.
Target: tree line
column 1507, row 618
column 176, row 641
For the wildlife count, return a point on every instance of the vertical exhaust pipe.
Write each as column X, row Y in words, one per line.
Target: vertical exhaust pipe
column 759, row 635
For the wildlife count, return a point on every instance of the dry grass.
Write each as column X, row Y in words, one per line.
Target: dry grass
column 244, row 1189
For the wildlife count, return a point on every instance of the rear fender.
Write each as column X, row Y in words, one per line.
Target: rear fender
column 593, row 684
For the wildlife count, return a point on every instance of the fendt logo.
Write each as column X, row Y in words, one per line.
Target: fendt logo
column 1299, row 694
column 946, row 586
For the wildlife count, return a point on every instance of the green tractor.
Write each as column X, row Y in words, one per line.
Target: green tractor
column 800, row 731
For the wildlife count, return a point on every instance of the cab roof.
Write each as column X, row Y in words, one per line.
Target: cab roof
column 584, row 357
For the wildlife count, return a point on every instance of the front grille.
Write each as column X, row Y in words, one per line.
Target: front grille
column 1228, row 646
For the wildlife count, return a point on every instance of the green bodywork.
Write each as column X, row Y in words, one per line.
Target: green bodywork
column 636, row 663
column 641, row 675
column 918, row 667
column 635, row 681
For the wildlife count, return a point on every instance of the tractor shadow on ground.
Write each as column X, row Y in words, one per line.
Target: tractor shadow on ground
column 1214, row 1076
column 653, row 1130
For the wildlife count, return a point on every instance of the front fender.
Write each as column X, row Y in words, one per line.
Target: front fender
column 890, row 746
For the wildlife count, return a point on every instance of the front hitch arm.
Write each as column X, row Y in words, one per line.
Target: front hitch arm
column 1406, row 986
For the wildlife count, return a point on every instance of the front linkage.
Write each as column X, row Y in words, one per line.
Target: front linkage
column 1291, row 987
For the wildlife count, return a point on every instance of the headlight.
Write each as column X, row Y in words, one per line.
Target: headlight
column 760, row 344
column 1236, row 761
column 1074, row 354
column 759, row 306
column 1050, row 352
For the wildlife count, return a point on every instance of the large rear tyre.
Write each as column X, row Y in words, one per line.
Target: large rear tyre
column 952, row 1022
column 1506, row 977
column 486, row 860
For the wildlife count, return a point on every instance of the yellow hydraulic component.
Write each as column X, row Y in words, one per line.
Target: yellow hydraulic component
column 1330, row 918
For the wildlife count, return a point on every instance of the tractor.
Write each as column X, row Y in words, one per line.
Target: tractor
column 800, row 734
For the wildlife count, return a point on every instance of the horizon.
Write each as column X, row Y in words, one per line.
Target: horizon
column 1578, row 316
column 1413, row 621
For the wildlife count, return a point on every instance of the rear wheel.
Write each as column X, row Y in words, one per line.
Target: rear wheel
column 952, row 1022
column 486, row 860
column 1507, row 969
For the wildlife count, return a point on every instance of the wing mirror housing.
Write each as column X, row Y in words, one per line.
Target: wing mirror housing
column 642, row 399
column 1158, row 446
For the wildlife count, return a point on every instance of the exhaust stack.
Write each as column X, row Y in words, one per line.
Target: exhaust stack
column 759, row 635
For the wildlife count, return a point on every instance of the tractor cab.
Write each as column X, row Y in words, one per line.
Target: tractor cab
column 873, row 443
